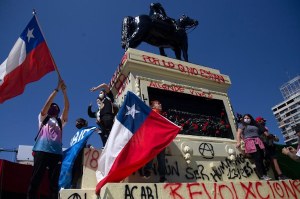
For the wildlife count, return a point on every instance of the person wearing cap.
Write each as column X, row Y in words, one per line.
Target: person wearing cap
column 270, row 148
column 105, row 113
column 291, row 151
column 47, row 149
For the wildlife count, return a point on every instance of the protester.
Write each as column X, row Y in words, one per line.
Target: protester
column 47, row 149
column 105, row 113
column 72, row 166
column 161, row 161
column 270, row 148
column 249, row 131
column 291, row 151
column 78, row 167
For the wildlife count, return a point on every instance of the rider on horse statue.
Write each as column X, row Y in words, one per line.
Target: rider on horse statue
column 157, row 13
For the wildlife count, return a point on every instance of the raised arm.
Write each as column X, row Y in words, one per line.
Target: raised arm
column 65, row 112
column 50, row 99
column 103, row 85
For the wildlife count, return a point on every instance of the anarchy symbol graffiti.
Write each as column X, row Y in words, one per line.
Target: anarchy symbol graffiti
column 76, row 196
column 206, row 150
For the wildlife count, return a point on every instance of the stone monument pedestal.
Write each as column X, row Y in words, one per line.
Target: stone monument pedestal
column 202, row 161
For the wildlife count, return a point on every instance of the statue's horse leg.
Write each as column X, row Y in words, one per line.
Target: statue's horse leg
column 162, row 52
column 185, row 55
column 184, row 49
column 177, row 51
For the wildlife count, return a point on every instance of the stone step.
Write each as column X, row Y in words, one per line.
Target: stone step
column 288, row 189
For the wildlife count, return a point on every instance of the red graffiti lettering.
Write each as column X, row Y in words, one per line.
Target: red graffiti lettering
column 221, row 187
column 248, row 189
column 271, row 189
column 204, row 187
column 171, row 65
column 115, row 75
column 257, row 185
column 168, row 64
column 278, row 189
column 192, row 193
column 289, row 189
column 151, row 60
column 296, row 184
column 124, row 82
column 92, row 158
column 181, row 68
column 209, row 75
column 200, row 94
column 233, row 187
column 174, row 190
column 191, row 70
column 124, row 58
column 174, row 88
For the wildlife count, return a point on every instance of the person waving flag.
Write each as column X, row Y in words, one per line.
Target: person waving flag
column 137, row 136
column 28, row 61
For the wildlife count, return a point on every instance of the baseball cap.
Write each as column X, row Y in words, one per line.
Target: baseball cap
column 260, row 119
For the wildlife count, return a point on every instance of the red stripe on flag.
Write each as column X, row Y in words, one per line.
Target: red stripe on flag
column 152, row 137
column 36, row 64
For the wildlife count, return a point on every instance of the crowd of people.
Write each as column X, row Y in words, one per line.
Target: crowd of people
column 47, row 151
column 256, row 142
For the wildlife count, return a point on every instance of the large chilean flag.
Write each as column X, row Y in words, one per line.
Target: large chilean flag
column 28, row 61
column 137, row 136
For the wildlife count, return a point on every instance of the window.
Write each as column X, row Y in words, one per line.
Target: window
column 198, row 116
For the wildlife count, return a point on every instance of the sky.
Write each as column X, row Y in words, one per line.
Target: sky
column 256, row 43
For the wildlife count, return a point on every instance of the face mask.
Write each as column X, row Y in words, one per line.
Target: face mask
column 247, row 121
column 101, row 95
column 53, row 111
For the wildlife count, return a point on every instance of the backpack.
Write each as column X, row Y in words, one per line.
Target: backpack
column 45, row 122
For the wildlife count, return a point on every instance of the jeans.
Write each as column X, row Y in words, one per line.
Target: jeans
column 42, row 161
column 161, row 161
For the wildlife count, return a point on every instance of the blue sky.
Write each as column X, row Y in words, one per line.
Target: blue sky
column 256, row 43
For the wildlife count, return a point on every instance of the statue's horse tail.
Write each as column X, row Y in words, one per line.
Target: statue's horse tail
column 126, row 30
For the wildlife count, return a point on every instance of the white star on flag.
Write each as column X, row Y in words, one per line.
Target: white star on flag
column 29, row 34
column 131, row 111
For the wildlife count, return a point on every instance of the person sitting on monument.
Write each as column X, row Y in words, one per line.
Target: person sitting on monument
column 157, row 12
column 106, row 110
column 290, row 151
column 270, row 155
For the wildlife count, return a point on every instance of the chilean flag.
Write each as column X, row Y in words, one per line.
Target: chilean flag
column 28, row 61
column 137, row 136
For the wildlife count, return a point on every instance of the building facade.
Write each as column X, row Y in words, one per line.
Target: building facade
column 287, row 113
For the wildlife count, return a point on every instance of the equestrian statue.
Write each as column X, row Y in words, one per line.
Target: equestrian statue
column 159, row 30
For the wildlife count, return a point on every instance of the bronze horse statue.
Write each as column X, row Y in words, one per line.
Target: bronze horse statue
column 158, row 33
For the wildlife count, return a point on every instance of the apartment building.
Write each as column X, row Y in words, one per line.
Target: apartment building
column 287, row 113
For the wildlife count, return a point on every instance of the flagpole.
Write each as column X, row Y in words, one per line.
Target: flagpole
column 55, row 66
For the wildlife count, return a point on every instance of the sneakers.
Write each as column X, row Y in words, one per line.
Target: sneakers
column 283, row 177
column 162, row 179
column 264, row 177
column 147, row 174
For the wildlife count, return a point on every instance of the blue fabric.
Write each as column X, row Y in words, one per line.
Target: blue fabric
column 33, row 28
column 133, row 105
column 77, row 143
